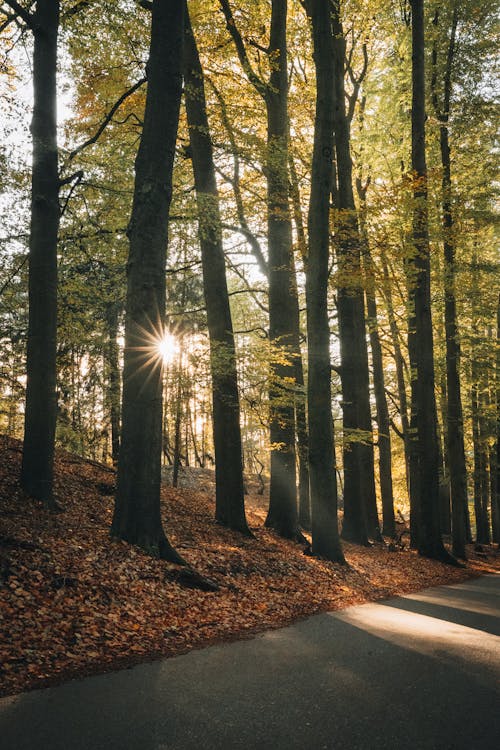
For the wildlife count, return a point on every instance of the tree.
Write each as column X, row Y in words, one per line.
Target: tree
column 41, row 401
column 420, row 338
column 323, row 480
column 230, row 505
column 495, row 464
column 383, row 421
column 479, row 410
column 137, row 503
column 282, row 514
column 360, row 509
column 454, row 425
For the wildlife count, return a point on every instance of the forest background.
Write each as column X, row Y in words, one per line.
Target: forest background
column 375, row 218
column 255, row 234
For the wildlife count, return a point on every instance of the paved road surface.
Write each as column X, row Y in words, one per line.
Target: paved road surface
column 420, row 671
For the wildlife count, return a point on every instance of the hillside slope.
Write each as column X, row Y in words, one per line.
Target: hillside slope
column 73, row 601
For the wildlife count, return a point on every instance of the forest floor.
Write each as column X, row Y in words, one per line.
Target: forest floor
column 74, row 602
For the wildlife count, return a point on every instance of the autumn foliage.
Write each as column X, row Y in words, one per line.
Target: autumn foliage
column 72, row 602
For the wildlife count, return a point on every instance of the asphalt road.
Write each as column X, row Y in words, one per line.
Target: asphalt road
column 421, row 671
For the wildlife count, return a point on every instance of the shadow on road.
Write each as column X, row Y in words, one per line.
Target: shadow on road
column 403, row 673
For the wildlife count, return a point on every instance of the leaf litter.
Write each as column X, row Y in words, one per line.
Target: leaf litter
column 75, row 602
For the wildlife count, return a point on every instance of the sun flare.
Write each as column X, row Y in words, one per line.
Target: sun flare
column 167, row 348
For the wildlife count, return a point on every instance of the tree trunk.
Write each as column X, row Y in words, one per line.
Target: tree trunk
column 302, row 439
column 176, row 463
column 323, row 480
column 478, row 389
column 360, row 505
column 413, row 441
column 41, row 399
column 137, row 516
column 444, row 474
column 384, row 437
column 300, row 401
column 282, row 515
column 454, row 423
column 420, row 335
column 230, row 503
column 112, row 357
column 399, row 364
column 480, row 460
column 495, row 462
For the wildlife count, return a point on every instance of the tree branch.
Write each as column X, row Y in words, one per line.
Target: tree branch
column 397, row 430
column 235, row 182
column 9, row 17
column 263, row 333
column 353, row 98
column 254, row 244
column 116, row 106
column 27, row 17
column 14, row 274
column 260, row 86
column 76, row 9
column 75, row 178
column 258, row 46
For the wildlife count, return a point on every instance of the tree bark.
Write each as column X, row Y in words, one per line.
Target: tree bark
column 480, row 463
column 323, row 479
column 420, row 334
column 454, row 422
column 360, row 505
column 399, row 364
column 301, row 399
column 137, row 516
column 176, row 462
column 229, row 503
column 41, row 399
column 383, row 423
column 282, row 515
column 495, row 464
column 444, row 476
column 113, row 379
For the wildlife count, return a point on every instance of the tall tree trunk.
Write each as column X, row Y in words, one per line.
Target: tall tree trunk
column 229, row 496
column 41, row 400
column 282, row 515
column 413, row 440
column 360, row 505
column 384, row 437
column 495, row 462
column 480, row 459
column 176, row 463
column 113, row 379
column 302, row 446
column 399, row 364
column 485, row 436
column 137, row 516
column 323, row 479
column 478, row 388
column 444, row 474
column 455, row 423
column 420, row 335
column 300, row 402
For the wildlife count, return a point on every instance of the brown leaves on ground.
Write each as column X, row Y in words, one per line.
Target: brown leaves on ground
column 74, row 602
